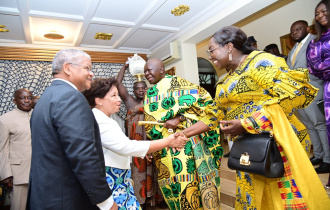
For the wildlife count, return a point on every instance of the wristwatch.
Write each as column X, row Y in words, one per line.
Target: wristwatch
column 182, row 118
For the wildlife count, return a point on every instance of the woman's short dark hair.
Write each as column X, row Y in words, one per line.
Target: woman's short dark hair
column 319, row 28
column 235, row 36
column 99, row 88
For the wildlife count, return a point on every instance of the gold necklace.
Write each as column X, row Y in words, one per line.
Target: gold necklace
column 240, row 62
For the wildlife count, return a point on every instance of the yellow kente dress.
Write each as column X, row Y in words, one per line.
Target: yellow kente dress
column 189, row 179
column 264, row 88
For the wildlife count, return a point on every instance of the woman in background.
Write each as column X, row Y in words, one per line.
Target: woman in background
column 260, row 87
column 103, row 97
column 318, row 62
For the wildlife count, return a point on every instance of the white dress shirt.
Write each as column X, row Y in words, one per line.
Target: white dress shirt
column 117, row 147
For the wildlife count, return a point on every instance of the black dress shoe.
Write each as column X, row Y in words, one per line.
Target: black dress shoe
column 323, row 168
column 226, row 155
column 316, row 161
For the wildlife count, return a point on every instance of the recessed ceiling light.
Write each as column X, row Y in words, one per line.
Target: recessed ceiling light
column 103, row 36
column 2, row 28
column 53, row 35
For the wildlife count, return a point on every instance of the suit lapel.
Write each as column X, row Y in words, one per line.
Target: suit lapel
column 302, row 51
column 290, row 64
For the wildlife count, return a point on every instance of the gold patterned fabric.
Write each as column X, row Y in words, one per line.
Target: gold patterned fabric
column 300, row 187
column 263, row 80
column 189, row 179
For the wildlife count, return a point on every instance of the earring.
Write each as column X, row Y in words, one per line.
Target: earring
column 230, row 56
column 100, row 104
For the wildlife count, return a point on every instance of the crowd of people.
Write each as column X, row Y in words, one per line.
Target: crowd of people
column 64, row 151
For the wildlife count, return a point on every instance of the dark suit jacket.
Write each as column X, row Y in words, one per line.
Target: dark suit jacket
column 67, row 170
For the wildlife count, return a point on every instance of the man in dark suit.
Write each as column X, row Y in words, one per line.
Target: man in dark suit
column 67, row 168
column 311, row 116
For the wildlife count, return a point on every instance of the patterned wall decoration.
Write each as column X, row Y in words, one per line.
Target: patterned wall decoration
column 36, row 76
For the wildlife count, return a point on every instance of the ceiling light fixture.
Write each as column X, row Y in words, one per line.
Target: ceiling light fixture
column 180, row 10
column 53, row 35
column 103, row 36
column 2, row 28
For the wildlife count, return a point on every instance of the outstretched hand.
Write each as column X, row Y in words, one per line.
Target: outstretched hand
column 232, row 127
column 177, row 142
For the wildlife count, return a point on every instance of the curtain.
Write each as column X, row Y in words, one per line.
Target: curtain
column 36, row 76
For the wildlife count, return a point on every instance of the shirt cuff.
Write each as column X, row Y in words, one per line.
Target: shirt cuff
column 107, row 204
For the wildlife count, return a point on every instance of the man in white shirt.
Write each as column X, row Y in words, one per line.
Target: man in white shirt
column 67, row 168
column 311, row 116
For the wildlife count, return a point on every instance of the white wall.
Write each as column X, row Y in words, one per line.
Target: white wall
column 269, row 28
column 187, row 66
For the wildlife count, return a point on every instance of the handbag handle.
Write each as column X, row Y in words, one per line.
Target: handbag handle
column 257, row 127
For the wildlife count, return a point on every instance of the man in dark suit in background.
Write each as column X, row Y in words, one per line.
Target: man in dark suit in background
column 311, row 116
column 67, row 168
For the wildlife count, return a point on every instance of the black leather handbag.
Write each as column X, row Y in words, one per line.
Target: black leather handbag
column 256, row 154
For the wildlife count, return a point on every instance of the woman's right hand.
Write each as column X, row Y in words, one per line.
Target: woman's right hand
column 177, row 141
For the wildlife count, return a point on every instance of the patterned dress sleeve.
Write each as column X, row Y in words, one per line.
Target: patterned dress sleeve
column 318, row 59
column 288, row 88
column 215, row 109
column 211, row 114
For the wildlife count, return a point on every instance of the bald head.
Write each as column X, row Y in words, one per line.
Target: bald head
column 157, row 62
column 154, row 70
column 23, row 99
column 19, row 92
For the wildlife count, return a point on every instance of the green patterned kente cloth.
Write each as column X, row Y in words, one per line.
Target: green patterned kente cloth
column 189, row 179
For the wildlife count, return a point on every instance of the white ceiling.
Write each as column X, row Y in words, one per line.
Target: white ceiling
column 141, row 26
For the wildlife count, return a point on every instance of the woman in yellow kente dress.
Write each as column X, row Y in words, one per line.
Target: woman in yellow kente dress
column 260, row 85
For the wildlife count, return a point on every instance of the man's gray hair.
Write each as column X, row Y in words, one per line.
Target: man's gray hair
column 67, row 56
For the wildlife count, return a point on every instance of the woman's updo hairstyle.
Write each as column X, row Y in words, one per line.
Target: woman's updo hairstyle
column 99, row 88
column 235, row 36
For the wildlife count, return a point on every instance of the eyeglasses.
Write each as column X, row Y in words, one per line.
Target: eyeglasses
column 88, row 68
column 210, row 52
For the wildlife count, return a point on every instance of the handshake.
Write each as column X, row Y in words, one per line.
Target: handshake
column 177, row 141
